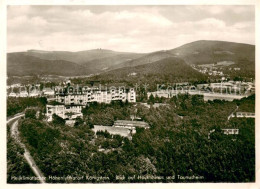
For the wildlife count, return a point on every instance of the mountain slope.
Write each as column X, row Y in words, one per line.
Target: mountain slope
column 148, row 58
column 168, row 68
column 201, row 52
column 99, row 60
column 208, row 52
column 19, row 64
column 101, row 64
column 79, row 57
column 95, row 60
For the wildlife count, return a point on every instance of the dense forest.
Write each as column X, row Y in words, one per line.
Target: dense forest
column 246, row 104
column 17, row 105
column 176, row 146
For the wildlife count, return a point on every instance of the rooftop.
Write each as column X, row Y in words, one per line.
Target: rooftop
column 127, row 123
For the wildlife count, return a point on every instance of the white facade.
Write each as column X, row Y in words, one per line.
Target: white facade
column 100, row 96
column 131, row 124
column 34, row 94
column 12, row 95
column 231, row 131
column 23, row 94
column 62, row 110
column 48, row 92
column 245, row 114
column 124, row 132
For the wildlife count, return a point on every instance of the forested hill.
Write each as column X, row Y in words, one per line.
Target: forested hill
column 207, row 52
column 165, row 70
column 167, row 66
column 34, row 62
column 63, row 63
column 19, row 64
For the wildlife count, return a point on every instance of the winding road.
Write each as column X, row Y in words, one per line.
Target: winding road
column 15, row 134
column 231, row 115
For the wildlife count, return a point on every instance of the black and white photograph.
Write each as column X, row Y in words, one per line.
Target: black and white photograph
column 101, row 94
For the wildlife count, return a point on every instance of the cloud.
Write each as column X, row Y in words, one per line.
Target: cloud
column 125, row 28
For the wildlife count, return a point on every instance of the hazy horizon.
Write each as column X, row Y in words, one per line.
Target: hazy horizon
column 121, row 51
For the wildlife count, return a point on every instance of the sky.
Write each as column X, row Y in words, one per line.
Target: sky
column 125, row 28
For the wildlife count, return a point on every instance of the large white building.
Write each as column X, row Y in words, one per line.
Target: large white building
column 100, row 96
column 125, row 128
column 65, row 112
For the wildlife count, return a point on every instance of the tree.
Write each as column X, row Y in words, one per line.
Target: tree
column 151, row 99
column 57, row 120
column 157, row 99
column 30, row 113
column 78, row 122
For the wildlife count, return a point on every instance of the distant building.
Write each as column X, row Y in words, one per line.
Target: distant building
column 23, row 94
column 231, row 131
column 155, row 105
column 131, row 124
column 245, row 114
column 124, row 132
column 225, row 131
column 219, row 96
column 222, row 84
column 12, row 95
column 48, row 92
column 34, row 93
column 223, row 91
column 171, row 93
column 132, row 74
column 161, row 93
column 65, row 112
column 123, row 128
column 16, row 85
column 70, row 122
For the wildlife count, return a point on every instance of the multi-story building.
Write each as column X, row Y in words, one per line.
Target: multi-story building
column 100, row 96
column 65, row 112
